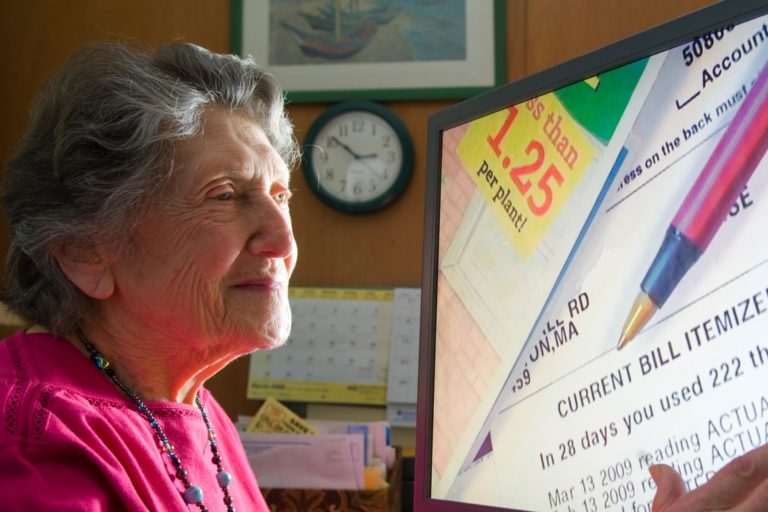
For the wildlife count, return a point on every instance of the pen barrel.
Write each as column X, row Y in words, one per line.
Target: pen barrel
column 676, row 256
column 728, row 169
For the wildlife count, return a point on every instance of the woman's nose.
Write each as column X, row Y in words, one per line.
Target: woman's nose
column 274, row 232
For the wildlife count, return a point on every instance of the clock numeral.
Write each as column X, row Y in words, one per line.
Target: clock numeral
column 358, row 125
column 329, row 175
column 343, row 130
column 357, row 189
column 391, row 156
column 386, row 139
column 372, row 187
column 343, row 185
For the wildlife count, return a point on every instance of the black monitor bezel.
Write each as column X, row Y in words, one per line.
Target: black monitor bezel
column 644, row 44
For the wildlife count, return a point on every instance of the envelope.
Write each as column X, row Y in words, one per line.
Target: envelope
column 306, row 461
column 378, row 437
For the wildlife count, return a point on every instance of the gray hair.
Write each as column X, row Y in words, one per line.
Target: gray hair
column 98, row 147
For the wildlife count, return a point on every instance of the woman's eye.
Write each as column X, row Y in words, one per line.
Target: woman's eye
column 282, row 198
column 225, row 196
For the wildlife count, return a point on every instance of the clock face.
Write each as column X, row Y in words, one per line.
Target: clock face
column 358, row 157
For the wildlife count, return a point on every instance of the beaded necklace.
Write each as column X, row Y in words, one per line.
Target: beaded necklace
column 192, row 494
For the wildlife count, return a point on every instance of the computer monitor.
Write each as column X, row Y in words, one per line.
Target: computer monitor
column 618, row 198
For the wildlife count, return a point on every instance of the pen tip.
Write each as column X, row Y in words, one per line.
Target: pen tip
column 642, row 310
column 625, row 338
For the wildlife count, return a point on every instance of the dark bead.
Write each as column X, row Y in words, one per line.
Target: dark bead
column 228, row 499
column 181, row 473
column 216, row 459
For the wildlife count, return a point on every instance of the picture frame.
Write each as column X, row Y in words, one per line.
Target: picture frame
column 384, row 50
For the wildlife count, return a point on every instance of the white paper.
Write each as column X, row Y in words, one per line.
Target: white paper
column 311, row 461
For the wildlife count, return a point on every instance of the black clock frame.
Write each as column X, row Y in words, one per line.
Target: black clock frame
column 311, row 175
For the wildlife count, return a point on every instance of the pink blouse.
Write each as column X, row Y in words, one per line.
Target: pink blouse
column 69, row 440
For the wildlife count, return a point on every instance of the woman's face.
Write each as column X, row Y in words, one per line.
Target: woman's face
column 211, row 265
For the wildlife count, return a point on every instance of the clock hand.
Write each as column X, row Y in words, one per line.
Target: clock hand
column 374, row 171
column 351, row 151
column 346, row 148
column 358, row 157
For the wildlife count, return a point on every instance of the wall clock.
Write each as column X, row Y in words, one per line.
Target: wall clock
column 358, row 156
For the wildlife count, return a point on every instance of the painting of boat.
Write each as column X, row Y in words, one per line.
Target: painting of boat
column 329, row 50
column 334, row 45
column 324, row 19
column 372, row 31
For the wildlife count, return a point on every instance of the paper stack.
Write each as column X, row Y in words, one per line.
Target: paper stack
column 288, row 452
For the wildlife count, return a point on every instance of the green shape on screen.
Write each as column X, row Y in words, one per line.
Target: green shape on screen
column 598, row 107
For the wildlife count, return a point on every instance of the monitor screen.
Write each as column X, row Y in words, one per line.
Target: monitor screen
column 595, row 294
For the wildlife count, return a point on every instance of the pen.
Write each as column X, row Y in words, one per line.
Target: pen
column 704, row 209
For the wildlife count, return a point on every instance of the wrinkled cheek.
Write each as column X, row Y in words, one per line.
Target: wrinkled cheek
column 281, row 323
column 276, row 322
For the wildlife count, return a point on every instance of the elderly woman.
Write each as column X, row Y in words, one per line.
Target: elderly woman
column 151, row 244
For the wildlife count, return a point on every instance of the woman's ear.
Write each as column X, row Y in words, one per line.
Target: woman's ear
column 87, row 268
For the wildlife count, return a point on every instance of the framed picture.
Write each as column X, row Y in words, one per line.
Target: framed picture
column 330, row 50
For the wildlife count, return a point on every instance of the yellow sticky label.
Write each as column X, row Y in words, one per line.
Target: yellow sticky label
column 307, row 391
column 368, row 294
column 525, row 161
